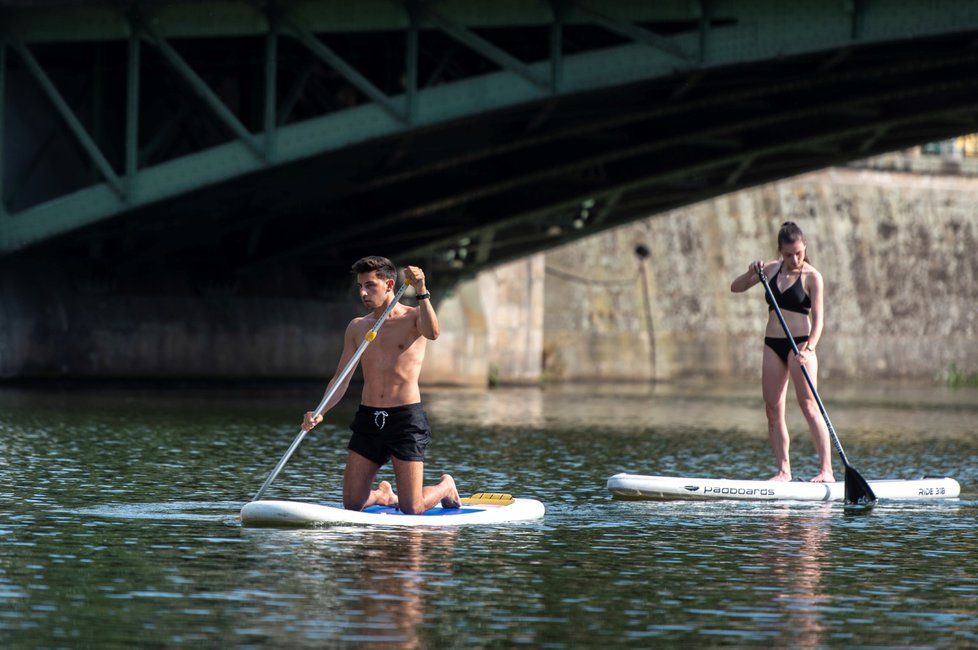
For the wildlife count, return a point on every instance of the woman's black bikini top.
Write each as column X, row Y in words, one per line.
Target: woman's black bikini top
column 793, row 299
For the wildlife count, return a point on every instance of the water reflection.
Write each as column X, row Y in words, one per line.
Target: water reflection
column 382, row 584
column 799, row 553
column 399, row 585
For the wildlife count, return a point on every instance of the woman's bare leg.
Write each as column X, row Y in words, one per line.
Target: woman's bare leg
column 809, row 408
column 774, row 384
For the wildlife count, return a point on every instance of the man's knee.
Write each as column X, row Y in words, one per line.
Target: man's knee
column 411, row 508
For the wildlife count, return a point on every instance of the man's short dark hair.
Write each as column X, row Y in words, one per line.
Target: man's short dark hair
column 383, row 266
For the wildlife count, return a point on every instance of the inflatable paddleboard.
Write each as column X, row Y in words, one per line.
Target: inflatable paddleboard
column 636, row 486
column 483, row 508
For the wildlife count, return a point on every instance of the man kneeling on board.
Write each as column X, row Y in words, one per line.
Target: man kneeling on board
column 391, row 421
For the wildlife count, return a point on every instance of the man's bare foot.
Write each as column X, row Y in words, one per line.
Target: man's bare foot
column 452, row 500
column 385, row 494
column 824, row 477
column 781, row 477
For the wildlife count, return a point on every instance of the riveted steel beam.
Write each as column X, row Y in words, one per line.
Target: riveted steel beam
column 484, row 249
column 559, row 8
column 634, row 33
column 347, row 71
column 607, row 207
column 68, row 115
column 271, row 83
column 199, row 86
column 411, row 60
column 735, row 175
column 706, row 24
column 433, row 247
column 3, row 100
column 285, row 107
column 483, row 47
column 132, row 111
column 873, row 138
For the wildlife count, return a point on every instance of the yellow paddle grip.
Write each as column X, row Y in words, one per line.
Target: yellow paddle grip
column 370, row 336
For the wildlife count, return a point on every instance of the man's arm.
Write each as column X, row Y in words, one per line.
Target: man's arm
column 427, row 319
column 349, row 348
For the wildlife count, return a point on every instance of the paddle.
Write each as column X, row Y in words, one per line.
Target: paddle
column 351, row 364
column 858, row 491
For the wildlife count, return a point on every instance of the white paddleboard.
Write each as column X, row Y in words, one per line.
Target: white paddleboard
column 296, row 513
column 636, row 486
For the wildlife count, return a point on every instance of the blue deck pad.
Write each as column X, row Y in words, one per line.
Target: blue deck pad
column 434, row 512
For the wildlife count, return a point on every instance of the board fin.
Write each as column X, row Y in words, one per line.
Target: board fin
column 489, row 498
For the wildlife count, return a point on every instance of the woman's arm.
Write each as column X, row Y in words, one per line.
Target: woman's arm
column 816, row 292
column 749, row 279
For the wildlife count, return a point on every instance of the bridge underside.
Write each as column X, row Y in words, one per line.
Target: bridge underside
column 434, row 133
column 472, row 192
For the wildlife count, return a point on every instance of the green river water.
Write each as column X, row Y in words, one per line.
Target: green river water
column 118, row 524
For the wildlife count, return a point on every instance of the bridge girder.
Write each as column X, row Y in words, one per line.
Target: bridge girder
column 653, row 106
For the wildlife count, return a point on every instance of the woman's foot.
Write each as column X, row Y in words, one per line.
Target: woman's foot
column 781, row 477
column 385, row 495
column 450, row 500
column 824, row 477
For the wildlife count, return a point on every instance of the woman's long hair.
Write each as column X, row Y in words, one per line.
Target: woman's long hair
column 789, row 234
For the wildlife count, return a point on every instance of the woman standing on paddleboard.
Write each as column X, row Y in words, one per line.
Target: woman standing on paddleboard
column 798, row 290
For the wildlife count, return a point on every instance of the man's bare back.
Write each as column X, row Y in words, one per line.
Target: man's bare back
column 391, row 423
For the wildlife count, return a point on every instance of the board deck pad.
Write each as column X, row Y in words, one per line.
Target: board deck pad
column 434, row 512
column 480, row 508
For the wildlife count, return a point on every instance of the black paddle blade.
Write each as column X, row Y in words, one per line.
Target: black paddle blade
column 858, row 492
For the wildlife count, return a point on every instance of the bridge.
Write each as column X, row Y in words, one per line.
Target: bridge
column 256, row 148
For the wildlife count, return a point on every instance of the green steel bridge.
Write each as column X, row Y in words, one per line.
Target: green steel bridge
column 459, row 133
column 258, row 147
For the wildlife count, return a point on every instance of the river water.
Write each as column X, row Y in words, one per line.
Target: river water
column 118, row 524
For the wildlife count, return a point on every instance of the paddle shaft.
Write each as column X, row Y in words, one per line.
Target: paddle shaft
column 351, row 364
column 804, row 370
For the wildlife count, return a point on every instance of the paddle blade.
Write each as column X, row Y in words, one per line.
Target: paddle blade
column 858, row 492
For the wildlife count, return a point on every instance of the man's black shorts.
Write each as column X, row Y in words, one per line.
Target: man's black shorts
column 399, row 431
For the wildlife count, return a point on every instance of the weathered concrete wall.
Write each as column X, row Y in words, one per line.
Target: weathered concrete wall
column 59, row 323
column 492, row 326
column 899, row 254
column 55, row 323
column 460, row 355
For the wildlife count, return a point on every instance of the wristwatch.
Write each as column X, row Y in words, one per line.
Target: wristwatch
column 423, row 296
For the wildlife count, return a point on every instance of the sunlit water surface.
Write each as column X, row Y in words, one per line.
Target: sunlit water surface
column 118, row 524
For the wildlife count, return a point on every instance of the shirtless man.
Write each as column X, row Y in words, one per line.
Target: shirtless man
column 390, row 421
